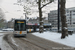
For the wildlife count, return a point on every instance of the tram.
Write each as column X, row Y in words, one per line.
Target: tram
column 20, row 27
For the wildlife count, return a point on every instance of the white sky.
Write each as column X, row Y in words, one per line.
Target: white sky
column 10, row 9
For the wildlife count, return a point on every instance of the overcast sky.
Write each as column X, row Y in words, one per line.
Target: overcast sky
column 11, row 10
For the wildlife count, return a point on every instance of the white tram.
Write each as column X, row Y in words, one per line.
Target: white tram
column 20, row 27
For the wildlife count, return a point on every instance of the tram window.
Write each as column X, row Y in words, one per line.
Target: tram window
column 20, row 27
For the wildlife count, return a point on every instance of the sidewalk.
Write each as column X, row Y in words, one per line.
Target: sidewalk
column 48, row 45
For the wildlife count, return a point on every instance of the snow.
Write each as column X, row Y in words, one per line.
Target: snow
column 56, row 37
column 8, row 29
column 1, row 40
column 13, row 41
column 1, row 31
column 65, row 28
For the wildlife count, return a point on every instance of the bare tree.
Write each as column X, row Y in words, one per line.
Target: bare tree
column 26, row 11
column 1, row 18
column 63, row 19
column 1, row 14
column 40, row 6
column 40, row 12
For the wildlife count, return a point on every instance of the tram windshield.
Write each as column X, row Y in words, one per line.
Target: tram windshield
column 20, row 26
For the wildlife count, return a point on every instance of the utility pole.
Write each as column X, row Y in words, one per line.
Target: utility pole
column 58, row 15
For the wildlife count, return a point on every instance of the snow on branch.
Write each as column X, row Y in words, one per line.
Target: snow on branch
column 47, row 3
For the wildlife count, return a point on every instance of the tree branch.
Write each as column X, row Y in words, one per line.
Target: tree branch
column 46, row 4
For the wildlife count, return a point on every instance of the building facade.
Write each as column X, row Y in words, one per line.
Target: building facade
column 36, row 21
column 70, row 17
column 10, row 24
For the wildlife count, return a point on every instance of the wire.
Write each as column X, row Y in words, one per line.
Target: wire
column 8, row 11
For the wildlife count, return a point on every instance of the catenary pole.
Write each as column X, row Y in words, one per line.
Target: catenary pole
column 58, row 15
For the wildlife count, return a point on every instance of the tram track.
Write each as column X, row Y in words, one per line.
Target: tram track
column 26, row 44
column 26, row 40
column 23, row 43
column 10, row 43
column 32, row 43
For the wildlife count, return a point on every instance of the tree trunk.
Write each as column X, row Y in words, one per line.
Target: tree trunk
column 63, row 20
column 40, row 17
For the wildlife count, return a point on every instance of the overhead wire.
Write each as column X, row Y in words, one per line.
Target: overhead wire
column 6, row 11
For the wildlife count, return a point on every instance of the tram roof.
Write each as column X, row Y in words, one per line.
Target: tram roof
column 19, row 19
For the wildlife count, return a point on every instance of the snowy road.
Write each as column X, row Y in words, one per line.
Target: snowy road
column 21, row 43
column 31, row 43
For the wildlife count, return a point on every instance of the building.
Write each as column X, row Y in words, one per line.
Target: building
column 36, row 20
column 10, row 23
column 70, row 17
column 52, row 18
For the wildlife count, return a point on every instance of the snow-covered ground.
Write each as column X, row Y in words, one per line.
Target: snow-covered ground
column 1, row 39
column 56, row 37
column 3, row 44
column 1, row 31
column 8, row 29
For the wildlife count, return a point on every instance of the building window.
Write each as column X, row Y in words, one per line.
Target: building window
column 67, row 11
column 73, row 22
column 68, row 20
column 73, row 10
column 73, row 14
column 67, row 14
